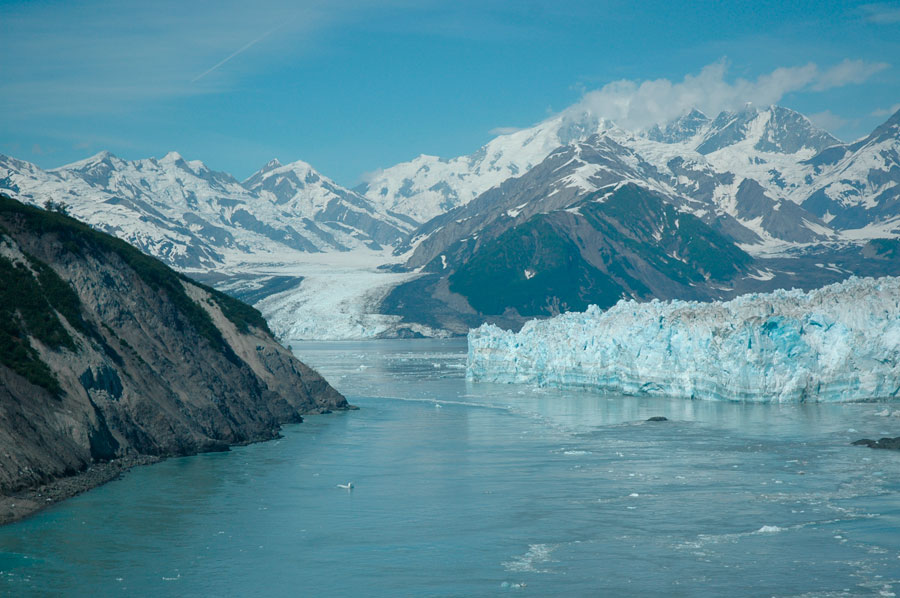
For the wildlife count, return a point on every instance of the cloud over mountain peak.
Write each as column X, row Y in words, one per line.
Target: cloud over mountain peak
column 642, row 104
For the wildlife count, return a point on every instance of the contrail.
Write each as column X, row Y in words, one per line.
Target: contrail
column 243, row 48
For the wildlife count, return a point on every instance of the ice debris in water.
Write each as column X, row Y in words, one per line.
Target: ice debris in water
column 837, row 343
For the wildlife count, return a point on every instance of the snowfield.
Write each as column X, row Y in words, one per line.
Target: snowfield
column 837, row 343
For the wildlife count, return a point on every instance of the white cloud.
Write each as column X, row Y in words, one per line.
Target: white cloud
column 881, row 13
column 371, row 175
column 504, row 130
column 886, row 111
column 846, row 73
column 827, row 120
column 636, row 105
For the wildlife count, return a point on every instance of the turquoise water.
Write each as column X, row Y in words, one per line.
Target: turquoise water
column 484, row 490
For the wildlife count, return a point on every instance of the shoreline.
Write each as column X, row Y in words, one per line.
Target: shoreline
column 21, row 504
column 24, row 503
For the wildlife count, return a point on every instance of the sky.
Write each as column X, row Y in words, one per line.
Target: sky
column 352, row 86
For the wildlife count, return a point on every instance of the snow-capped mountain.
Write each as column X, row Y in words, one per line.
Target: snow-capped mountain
column 297, row 188
column 684, row 128
column 763, row 176
column 428, row 186
column 196, row 218
column 749, row 187
column 857, row 186
column 762, row 182
column 765, row 144
column 756, row 214
column 773, row 130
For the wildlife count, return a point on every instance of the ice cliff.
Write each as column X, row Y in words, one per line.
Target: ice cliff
column 837, row 343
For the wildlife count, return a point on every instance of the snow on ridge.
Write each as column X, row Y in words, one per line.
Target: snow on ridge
column 428, row 186
column 837, row 343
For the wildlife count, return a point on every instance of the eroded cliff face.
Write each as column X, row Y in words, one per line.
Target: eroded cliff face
column 105, row 353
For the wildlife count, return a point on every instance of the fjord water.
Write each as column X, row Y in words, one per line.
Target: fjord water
column 465, row 489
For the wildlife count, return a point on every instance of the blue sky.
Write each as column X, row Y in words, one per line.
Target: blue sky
column 351, row 86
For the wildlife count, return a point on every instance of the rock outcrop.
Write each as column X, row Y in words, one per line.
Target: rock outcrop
column 107, row 355
column 881, row 443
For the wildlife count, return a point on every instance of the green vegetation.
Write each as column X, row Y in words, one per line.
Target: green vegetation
column 26, row 310
column 61, row 296
column 709, row 251
column 705, row 251
column 619, row 247
column 534, row 269
column 241, row 315
column 79, row 238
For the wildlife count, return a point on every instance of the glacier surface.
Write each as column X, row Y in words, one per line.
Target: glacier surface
column 837, row 343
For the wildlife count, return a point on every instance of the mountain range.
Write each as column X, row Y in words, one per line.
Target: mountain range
column 195, row 218
column 765, row 177
column 784, row 202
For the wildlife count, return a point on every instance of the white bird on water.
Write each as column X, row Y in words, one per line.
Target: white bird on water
column 347, row 486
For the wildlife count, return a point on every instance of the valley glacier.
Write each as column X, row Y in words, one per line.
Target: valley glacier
column 837, row 343
column 338, row 299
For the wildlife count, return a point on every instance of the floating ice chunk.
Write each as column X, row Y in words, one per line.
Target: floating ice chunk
column 769, row 529
column 837, row 343
column 537, row 554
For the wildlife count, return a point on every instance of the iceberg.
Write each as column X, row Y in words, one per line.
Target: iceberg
column 837, row 343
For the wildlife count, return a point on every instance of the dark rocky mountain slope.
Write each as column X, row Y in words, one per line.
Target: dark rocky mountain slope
column 107, row 355
column 608, row 245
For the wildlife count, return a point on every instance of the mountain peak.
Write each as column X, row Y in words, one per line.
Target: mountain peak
column 172, row 156
column 103, row 157
column 300, row 166
column 286, row 181
column 887, row 131
column 695, row 113
column 774, row 129
column 892, row 122
column 579, row 125
column 100, row 156
column 681, row 129
column 895, row 119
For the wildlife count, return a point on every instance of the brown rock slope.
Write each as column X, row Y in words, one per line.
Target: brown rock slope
column 108, row 355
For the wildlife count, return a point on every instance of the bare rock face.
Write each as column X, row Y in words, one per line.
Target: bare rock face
column 107, row 354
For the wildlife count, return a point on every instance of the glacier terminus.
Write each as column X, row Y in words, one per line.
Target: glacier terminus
column 837, row 343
